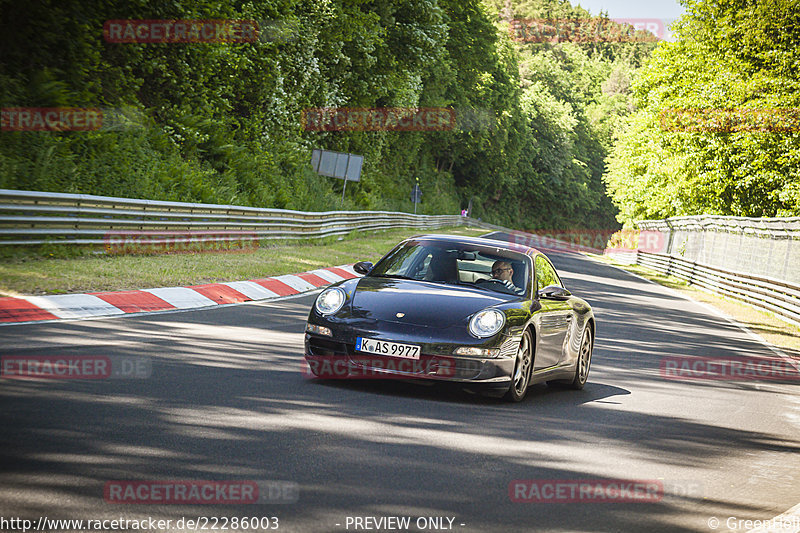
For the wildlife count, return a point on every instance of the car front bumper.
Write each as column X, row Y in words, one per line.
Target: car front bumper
column 336, row 357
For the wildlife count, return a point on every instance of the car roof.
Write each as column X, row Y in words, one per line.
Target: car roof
column 496, row 243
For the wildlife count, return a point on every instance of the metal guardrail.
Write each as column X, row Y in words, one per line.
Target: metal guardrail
column 754, row 260
column 767, row 247
column 780, row 297
column 31, row 217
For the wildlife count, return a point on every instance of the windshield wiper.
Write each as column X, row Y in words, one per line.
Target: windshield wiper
column 395, row 276
column 449, row 282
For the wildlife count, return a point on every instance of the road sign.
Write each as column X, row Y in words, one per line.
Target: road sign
column 416, row 194
column 340, row 165
column 337, row 164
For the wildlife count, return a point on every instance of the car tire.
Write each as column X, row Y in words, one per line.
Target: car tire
column 584, row 359
column 521, row 377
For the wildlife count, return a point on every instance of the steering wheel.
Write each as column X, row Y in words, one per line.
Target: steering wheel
column 499, row 284
column 492, row 280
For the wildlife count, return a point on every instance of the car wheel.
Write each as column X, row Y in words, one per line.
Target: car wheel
column 584, row 360
column 522, row 369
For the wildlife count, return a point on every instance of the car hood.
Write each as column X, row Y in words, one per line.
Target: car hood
column 422, row 303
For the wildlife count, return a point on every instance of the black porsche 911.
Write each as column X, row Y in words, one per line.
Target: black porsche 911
column 490, row 315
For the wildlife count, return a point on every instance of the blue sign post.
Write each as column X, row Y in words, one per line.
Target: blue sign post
column 416, row 195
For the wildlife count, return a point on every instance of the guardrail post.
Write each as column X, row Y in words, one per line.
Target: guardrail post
column 789, row 241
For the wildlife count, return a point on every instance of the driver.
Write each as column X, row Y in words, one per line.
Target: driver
column 502, row 271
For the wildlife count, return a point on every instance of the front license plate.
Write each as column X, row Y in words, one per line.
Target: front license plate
column 393, row 349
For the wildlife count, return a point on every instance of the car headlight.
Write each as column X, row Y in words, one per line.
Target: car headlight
column 487, row 322
column 330, row 301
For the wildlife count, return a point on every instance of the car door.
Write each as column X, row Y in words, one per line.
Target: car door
column 555, row 317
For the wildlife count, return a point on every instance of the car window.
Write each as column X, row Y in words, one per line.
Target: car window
column 454, row 263
column 545, row 274
column 481, row 266
column 407, row 261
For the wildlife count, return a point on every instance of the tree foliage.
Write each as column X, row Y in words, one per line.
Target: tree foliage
column 221, row 123
column 737, row 58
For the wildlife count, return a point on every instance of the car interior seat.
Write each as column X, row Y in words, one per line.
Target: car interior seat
column 443, row 267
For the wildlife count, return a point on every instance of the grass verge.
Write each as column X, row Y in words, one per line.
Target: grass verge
column 774, row 330
column 35, row 275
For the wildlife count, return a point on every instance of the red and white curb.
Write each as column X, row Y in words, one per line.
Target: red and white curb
column 96, row 304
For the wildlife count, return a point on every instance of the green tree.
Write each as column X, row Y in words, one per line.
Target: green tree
column 730, row 56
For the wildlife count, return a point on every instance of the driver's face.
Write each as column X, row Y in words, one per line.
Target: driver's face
column 502, row 270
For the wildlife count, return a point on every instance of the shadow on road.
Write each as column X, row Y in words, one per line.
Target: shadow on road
column 227, row 400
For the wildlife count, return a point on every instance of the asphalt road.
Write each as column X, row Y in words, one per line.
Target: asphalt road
column 227, row 400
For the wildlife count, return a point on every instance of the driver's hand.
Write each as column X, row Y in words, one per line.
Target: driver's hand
column 511, row 286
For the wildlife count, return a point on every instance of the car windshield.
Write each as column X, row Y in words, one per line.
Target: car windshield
column 457, row 264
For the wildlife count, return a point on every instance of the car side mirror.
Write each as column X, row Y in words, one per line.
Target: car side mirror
column 554, row 292
column 363, row 267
